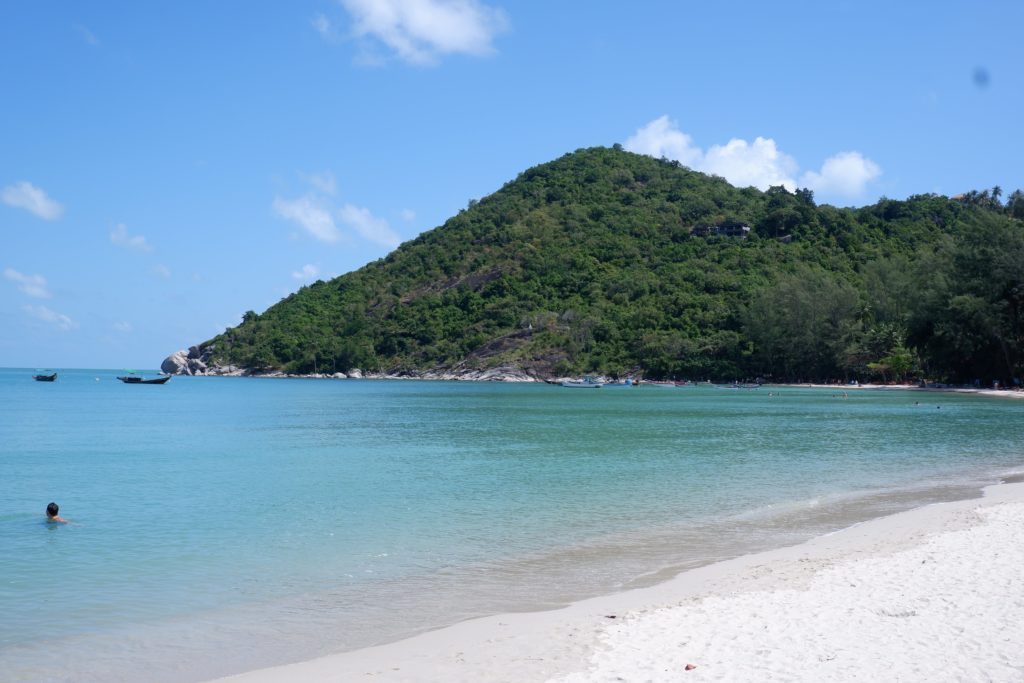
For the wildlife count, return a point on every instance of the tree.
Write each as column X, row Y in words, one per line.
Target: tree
column 801, row 326
column 971, row 323
column 889, row 289
column 1015, row 204
column 900, row 362
column 806, row 196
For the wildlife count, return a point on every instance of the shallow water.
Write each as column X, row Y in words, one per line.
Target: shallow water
column 223, row 524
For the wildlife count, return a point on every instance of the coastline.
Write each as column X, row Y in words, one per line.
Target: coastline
column 198, row 362
column 998, row 393
column 929, row 592
column 517, row 375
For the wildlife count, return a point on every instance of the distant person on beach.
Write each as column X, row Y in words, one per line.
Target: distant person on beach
column 53, row 514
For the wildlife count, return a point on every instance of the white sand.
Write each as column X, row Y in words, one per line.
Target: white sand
column 933, row 594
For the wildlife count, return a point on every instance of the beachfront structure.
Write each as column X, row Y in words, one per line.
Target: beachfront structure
column 725, row 229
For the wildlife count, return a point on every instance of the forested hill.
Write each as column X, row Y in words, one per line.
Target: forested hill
column 609, row 262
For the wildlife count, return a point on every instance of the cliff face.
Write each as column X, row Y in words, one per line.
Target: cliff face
column 612, row 263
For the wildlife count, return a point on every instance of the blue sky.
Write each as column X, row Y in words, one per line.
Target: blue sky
column 164, row 168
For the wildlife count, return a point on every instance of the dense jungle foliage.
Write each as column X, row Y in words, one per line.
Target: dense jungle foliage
column 587, row 264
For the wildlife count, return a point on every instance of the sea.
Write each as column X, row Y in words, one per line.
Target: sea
column 222, row 524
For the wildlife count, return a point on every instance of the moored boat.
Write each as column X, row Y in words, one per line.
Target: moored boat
column 587, row 382
column 45, row 378
column 134, row 379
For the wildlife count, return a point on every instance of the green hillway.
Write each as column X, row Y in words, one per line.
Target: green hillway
column 609, row 262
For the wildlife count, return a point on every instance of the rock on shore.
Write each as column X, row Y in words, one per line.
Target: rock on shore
column 197, row 361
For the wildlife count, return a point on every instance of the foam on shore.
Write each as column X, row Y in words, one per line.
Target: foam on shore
column 934, row 593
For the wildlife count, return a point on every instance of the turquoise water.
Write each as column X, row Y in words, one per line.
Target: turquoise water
column 224, row 524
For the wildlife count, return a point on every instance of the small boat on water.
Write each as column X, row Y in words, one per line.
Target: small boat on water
column 135, row 379
column 587, row 382
column 45, row 378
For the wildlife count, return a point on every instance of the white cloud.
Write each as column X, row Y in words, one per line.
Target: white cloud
column 61, row 321
column 162, row 271
column 662, row 138
column 124, row 327
column 846, row 174
column 368, row 226
column 420, row 31
column 308, row 273
column 407, row 215
column 324, row 182
column 25, row 195
column 121, row 238
column 759, row 163
column 33, row 285
column 316, row 213
column 87, row 35
column 323, row 26
column 310, row 215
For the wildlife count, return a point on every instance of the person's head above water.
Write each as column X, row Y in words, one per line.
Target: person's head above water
column 53, row 513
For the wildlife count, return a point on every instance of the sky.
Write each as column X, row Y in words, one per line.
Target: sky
column 165, row 167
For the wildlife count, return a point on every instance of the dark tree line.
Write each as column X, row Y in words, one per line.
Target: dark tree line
column 953, row 312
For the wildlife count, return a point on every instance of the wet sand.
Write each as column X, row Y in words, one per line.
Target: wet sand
column 934, row 593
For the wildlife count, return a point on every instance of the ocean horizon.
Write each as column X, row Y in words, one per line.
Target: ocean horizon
column 222, row 524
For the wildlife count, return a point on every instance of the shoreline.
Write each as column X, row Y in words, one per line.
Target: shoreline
column 515, row 375
column 703, row 615
column 979, row 391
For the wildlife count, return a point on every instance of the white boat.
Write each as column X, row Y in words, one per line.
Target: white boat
column 585, row 383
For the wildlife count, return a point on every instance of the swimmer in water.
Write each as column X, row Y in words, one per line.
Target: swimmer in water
column 53, row 514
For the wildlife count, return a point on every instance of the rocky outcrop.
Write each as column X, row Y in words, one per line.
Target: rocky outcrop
column 175, row 364
column 198, row 361
column 505, row 373
column 191, row 362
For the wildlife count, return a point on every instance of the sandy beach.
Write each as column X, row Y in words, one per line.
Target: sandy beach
column 934, row 593
column 840, row 388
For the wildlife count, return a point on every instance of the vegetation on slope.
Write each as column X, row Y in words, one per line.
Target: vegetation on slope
column 587, row 264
